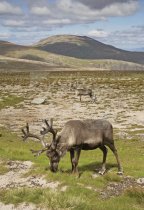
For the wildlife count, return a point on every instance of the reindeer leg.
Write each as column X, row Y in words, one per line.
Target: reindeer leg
column 78, row 151
column 103, row 169
column 72, row 159
column 75, row 159
column 114, row 150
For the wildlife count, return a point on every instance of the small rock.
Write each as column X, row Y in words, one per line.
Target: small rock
column 140, row 181
column 38, row 101
column 64, row 188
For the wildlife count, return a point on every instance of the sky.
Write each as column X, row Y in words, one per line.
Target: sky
column 115, row 22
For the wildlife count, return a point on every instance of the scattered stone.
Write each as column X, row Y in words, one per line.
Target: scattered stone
column 64, row 188
column 38, row 101
column 23, row 206
column 117, row 188
column 14, row 178
column 140, row 181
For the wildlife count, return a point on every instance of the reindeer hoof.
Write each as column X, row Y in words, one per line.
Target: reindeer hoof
column 120, row 173
column 102, row 172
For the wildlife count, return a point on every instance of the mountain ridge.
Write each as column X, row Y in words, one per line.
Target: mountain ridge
column 84, row 47
column 76, row 53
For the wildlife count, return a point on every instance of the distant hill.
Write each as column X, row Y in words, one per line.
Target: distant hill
column 69, row 53
column 6, row 47
column 83, row 47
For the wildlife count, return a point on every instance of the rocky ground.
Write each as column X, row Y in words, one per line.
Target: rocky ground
column 59, row 101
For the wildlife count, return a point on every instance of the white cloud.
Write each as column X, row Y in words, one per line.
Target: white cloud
column 130, row 38
column 98, row 34
column 14, row 23
column 57, row 21
column 41, row 11
column 80, row 11
column 4, row 35
column 119, row 9
column 6, row 8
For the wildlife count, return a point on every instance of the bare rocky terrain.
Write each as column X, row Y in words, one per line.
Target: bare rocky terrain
column 59, row 101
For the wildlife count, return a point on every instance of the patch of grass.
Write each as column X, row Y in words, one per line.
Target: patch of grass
column 77, row 198
column 137, row 194
column 46, row 198
column 10, row 100
column 13, row 148
column 3, row 169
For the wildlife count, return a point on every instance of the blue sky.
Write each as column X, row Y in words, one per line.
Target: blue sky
column 116, row 22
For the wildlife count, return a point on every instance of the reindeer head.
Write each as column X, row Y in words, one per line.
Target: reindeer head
column 54, row 158
column 53, row 153
column 51, row 149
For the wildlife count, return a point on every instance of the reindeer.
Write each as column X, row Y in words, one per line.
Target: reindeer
column 75, row 136
column 84, row 92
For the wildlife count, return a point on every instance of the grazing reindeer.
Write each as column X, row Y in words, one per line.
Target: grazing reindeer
column 84, row 92
column 78, row 135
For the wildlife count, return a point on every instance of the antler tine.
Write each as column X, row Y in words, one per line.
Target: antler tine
column 39, row 152
column 51, row 122
column 27, row 134
column 49, row 128
column 23, row 131
column 24, row 134
column 46, row 122
column 27, row 128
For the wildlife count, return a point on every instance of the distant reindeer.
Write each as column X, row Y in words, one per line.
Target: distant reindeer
column 75, row 136
column 85, row 92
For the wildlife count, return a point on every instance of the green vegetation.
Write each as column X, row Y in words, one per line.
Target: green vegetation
column 14, row 78
column 74, row 198
column 9, row 100
column 82, row 193
column 3, row 168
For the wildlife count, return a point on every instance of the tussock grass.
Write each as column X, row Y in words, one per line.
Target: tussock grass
column 75, row 198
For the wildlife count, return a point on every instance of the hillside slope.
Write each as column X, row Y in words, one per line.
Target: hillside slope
column 86, row 48
column 36, row 57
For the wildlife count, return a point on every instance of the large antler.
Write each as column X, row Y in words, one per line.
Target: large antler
column 27, row 134
column 49, row 129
